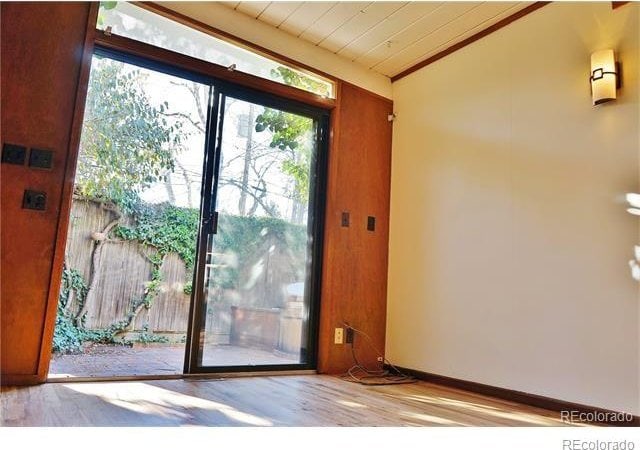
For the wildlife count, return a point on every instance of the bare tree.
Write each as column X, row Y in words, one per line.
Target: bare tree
column 242, row 203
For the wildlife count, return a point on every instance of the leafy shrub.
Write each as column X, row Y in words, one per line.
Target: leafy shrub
column 66, row 336
column 146, row 337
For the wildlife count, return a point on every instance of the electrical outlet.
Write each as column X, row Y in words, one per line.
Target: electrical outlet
column 338, row 336
column 348, row 338
column 34, row 200
column 380, row 359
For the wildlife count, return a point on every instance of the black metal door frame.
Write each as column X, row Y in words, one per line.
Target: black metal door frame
column 208, row 225
column 218, row 91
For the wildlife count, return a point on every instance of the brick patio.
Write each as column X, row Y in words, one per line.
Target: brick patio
column 113, row 360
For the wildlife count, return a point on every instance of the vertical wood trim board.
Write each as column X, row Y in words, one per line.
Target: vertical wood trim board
column 42, row 51
column 75, row 131
column 354, row 284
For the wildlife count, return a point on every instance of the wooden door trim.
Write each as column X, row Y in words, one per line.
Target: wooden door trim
column 11, row 379
column 67, row 194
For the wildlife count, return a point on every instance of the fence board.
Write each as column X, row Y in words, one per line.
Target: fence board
column 123, row 271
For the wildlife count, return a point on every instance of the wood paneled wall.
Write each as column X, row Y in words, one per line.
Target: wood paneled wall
column 42, row 55
column 354, row 285
column 42, row 66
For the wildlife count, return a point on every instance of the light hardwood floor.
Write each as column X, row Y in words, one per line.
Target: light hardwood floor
column 298, row 400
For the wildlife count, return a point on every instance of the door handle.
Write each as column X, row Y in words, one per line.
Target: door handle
column 211, row 223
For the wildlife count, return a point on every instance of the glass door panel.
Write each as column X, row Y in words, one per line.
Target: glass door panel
column 256, row 281
column 124, row 303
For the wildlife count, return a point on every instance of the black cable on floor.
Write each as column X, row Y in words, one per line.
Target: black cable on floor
column 358, row 373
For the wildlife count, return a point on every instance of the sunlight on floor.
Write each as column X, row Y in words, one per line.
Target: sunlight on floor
column 351, row 404
column 484, row 409
column 56, row 376
column 431, row 419
column 146, row 399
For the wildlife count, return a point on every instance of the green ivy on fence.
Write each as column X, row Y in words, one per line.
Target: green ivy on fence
column 165, row 228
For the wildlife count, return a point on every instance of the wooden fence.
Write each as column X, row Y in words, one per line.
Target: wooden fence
column 123, row 271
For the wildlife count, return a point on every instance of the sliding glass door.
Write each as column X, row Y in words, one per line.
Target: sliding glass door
column 255, row 288
column 124, row 303
column 197, row 220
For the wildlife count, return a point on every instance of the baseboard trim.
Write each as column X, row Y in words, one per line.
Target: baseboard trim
column 186, row 376
column 603, row 416
column 19, row 379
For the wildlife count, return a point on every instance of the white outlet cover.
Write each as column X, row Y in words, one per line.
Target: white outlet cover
column 338, row 336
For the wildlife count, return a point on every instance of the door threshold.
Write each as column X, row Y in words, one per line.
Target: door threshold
column 186, row 376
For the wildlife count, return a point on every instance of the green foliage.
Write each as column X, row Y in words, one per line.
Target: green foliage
column 104, row 6
column 69, row 333
column 127, row 143
column 239, row 236
column 299, row 171
column 292, row 133
column 300, row 80
column 152, row 287
column 165, row 227
column 66, row 336
column 72, row 280
column 168, row 228
column 146, row 337
column 288, row 129
column 108, row 5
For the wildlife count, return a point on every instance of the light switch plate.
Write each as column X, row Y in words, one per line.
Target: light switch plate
column 371, row 223
column 40, row 158
column 13, row 154
column 344, row 221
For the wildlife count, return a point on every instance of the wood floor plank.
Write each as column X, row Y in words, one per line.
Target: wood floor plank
column 298, row 400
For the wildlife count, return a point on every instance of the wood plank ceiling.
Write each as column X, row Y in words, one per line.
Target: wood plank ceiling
column 387, row 37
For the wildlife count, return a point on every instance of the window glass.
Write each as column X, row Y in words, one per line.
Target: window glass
column 125, row 19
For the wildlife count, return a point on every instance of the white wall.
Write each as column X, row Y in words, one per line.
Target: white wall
column 509, row 237
column 267, row 36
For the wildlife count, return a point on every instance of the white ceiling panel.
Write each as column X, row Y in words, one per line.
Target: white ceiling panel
column 386, row 36
column 305, row 16
column 414, row 32
column 485, row 15
column 339, row 14
column 278, row 12
column 396, row 22
column 252, row 9
column 360, row 24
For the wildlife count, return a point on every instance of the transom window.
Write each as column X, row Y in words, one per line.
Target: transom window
column 127, row 20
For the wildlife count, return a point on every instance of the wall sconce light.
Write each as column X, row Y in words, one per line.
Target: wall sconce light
column 604, row 77
column 634, row 203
